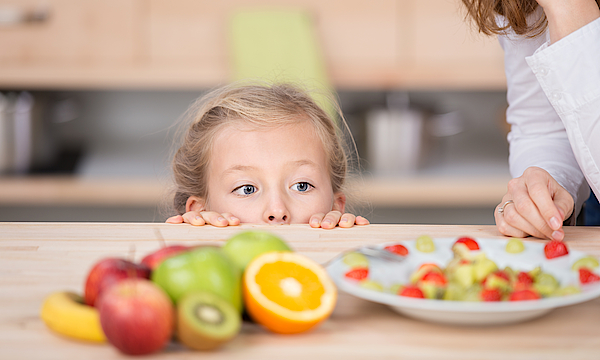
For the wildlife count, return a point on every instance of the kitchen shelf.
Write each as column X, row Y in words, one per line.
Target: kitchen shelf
column 418, row 77
column 415, row 191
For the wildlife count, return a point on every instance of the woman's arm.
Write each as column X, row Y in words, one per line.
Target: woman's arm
column 568, row 71
column 537, row 139
column 567, row 16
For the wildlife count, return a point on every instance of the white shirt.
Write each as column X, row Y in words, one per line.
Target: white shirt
column 554, row 107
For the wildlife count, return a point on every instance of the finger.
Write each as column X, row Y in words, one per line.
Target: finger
column 315, row 220
column 513, row 217
column 347, row 220
column 331, row 219
column 527, row 216
column 177, row 219
column 214, row 218
column 233, row 221
column 193, row 218
column 361, row 221
column 505, row 228
column 564, row 202
column 539, row 193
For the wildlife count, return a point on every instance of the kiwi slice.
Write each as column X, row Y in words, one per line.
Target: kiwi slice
column 205, row 321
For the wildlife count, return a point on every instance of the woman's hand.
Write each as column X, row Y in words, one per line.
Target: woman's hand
column 334, row 218
column 538, row 208
column 200, row 218
column 566, row 16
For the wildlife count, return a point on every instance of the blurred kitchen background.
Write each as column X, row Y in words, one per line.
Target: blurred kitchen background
column 91, row 93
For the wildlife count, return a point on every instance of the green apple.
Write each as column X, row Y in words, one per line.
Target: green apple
column 482, row 268
column 454, row 291
column 245, row 246
column 464, row 275
column 205, row 268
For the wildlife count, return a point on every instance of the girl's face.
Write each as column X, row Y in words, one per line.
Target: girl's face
column 276, row 176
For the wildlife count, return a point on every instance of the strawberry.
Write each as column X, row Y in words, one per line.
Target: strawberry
column 521, row 295
column 423, row 270
column 490, row 295
column 499, row 273
column 586, row 276
column 430, row 266
column 397, row 249
column 435, row 277
column 555, row 248
column 412, row 291
column 524, row 281
column 469, row 242
column 357, row 274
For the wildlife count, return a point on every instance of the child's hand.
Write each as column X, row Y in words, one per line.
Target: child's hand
column 334, row 218
column 200, row 218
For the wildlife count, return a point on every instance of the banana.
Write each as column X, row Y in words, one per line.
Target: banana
column 65, row 313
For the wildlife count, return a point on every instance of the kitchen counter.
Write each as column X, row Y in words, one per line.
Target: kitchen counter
column 39, row 258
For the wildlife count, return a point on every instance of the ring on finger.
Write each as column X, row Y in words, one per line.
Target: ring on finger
column 501, row 208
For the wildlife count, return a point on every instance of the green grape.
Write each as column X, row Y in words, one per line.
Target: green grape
column 567, row 290
column 515, row 246
column 589, row 262
column 371, row 285
column 355, row 260
column 425, row 244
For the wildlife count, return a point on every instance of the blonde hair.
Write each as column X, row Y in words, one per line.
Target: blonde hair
column 262, row 106
column 516, row 12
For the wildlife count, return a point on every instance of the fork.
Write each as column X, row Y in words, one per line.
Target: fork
column 379, row 253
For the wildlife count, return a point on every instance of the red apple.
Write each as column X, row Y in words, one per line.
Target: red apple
column 137, row 316
column 109, row 271
column 154, row 259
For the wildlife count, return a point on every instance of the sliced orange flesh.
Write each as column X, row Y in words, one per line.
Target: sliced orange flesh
column 290, row 285
column 287, row 292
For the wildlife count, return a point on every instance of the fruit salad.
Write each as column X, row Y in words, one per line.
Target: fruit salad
column 471, row 274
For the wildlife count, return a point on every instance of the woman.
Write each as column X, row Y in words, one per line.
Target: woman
column 552, row 64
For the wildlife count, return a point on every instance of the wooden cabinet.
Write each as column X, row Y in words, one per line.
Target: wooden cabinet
column 69, row 33
column 445, row 50
column 183, row 44
column 358, row 37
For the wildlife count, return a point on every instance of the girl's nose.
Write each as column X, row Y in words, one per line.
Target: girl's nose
column 277, row 213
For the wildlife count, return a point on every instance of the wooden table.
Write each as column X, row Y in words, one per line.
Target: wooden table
column 39, row 258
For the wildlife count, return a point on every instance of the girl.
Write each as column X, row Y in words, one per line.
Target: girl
column 261, row 154
column 552, row 63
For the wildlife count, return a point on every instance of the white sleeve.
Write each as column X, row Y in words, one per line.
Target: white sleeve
column 569, row 74
column 537, row 136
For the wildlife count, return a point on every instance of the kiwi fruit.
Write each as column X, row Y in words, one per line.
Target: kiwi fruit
column 205, row 321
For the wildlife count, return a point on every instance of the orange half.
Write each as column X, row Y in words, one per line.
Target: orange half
column 287, row 292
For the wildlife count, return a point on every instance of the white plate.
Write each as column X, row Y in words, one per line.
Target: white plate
column 462, row 312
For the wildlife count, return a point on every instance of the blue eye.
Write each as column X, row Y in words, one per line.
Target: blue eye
column 245, row 190
column 302, row 186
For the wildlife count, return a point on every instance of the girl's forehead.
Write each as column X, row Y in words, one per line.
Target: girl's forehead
column 267, row 123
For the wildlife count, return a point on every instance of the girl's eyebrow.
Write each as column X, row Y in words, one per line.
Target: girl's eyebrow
column 303, row 162
column 296, row 164
column 238, row 168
